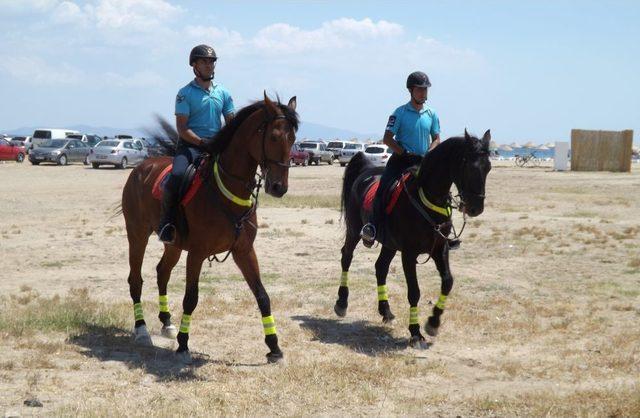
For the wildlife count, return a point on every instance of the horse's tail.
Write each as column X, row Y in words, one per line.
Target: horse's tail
column 356, row 166
column 165, row 136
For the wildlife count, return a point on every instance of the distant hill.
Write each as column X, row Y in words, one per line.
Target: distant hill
column 308, row 130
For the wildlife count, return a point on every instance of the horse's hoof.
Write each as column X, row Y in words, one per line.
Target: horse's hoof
column 169, row 331
column 184, row 357
column 431, row 331
column 388, row 318
column 275, row 357
column 341, row 312
column 141, row 336
column 418, row 342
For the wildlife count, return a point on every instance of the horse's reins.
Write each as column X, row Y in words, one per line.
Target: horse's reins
column 253, row 186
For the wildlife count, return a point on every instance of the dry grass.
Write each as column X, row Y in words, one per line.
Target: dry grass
column 542, row 319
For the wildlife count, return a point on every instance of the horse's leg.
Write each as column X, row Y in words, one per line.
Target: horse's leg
column 413, row 292
column 167, row 263
column 350, row 243
column 138, row 240
column 248, row 264
column 382, row 269
column 442, row 264
column 189, row 303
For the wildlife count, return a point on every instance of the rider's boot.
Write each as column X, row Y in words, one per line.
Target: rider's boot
column 167, row 228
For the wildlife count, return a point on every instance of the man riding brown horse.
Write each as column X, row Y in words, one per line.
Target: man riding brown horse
column 199, row 107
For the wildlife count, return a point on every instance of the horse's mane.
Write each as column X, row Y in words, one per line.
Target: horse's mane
column 223, row 138
column 449, row 151
column 167, row 137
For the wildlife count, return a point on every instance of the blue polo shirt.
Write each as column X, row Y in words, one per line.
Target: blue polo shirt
column 204, row 107
column 412, row 129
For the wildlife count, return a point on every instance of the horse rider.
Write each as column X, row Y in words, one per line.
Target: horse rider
column 199, row 106
column 408, row 133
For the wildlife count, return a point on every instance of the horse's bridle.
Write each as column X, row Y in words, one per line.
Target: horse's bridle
column 461, row 192
column 265, row 160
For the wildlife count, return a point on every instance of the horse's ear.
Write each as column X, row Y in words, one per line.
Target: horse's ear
column 486, row 139
column 466, row 135
column 271, row 109
column 292, row 103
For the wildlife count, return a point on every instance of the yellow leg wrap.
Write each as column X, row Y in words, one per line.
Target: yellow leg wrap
column 441, row 300
column 413, row 315
column 163, row 303
column 269, row 325
column 382, row 293
column 344, row 279
column 137, row 311
column 185, row 324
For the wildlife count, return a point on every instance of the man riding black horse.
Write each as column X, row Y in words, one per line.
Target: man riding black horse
column 199, row 106
column 412, row 130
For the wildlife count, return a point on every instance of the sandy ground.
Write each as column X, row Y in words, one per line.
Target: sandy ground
column 543, row 318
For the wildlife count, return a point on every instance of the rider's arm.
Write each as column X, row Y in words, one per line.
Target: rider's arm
column 391, row 143
column 228, row 117
column 185, row 133
column 435, row 142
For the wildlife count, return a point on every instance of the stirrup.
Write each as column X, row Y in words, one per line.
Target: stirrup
column 167, row 234
column 454, row 244
column 368, row 235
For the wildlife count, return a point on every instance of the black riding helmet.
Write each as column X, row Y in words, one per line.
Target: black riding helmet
column 418, row 79
column 201, row 51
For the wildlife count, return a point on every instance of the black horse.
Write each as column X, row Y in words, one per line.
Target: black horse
column 420, row 221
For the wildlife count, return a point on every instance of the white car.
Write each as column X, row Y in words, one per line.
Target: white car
column 350, row 149
column 378, row 154
column 120, row 153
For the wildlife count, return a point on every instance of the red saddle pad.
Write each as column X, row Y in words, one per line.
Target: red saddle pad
column 158, row 188
column 393, row 199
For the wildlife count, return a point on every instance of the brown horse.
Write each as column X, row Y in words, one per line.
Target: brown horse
column 220, row 217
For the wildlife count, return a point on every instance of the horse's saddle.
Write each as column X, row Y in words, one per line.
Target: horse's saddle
column 390, row 196
column 190, row 183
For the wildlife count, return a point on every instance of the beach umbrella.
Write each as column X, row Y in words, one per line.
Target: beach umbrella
column 505, row 148
column 529, row 145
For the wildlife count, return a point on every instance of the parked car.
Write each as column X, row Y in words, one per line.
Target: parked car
column 378, row 154
column 60, row 151
column 350, row 149
column 298, row 156
column 336, row 147
column 11, row 151
column 89, row 139
column 119, row 153
column 317, row 152
column 42, row 135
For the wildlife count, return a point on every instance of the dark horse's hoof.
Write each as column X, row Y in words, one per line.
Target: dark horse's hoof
column 388, row 317
column 418, row 342
column 274, row 357
column 432, row 331
column 340, row 311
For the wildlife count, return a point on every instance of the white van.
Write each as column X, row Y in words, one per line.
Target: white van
column 44, row 134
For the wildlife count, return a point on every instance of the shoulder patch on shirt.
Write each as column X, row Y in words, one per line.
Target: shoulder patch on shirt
column 179, row 98
column 392, row 121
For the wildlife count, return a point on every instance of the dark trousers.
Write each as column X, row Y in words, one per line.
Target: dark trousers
column 185, row 154
column 396, row 165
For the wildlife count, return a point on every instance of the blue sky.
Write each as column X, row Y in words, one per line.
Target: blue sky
column 528, row 70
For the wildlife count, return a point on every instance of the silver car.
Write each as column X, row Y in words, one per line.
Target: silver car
column 350, row 149
column 60, row 151
column 119, row 153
